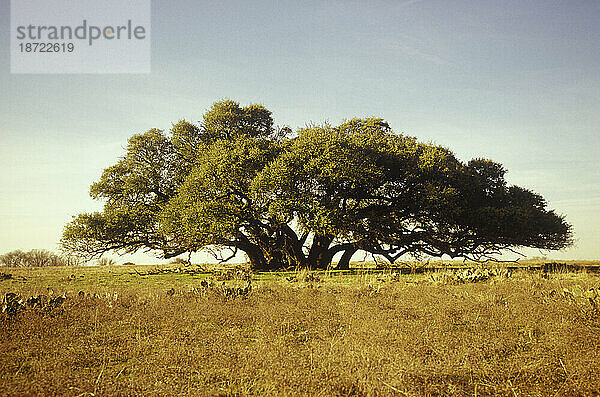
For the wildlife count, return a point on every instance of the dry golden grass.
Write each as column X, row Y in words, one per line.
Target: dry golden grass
column 340, row 335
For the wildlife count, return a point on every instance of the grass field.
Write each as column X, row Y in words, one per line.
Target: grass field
column 176, row 333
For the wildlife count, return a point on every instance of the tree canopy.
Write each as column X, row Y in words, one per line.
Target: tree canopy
column 236, row 183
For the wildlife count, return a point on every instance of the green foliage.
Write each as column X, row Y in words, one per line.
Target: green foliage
column 188, row 139
column 215, row 203
column 227, row 120
column 237, row 183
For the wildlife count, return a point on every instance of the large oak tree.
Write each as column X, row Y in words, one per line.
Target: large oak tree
column 236, row 183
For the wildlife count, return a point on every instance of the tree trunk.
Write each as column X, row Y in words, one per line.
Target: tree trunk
column 319, row 256
column 344, row 263
column 257, row 258
column 293, row 246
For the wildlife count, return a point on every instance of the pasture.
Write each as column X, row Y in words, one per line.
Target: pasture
column 132, row 330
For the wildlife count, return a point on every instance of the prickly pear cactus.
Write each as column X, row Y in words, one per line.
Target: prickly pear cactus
column 588, row 299
column 469, row 275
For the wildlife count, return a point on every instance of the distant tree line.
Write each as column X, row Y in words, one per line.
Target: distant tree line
column 38, row 258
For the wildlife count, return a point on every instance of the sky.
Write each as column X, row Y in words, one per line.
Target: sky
column 513, row 81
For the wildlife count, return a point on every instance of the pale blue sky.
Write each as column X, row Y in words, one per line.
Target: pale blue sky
column 514, row 81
